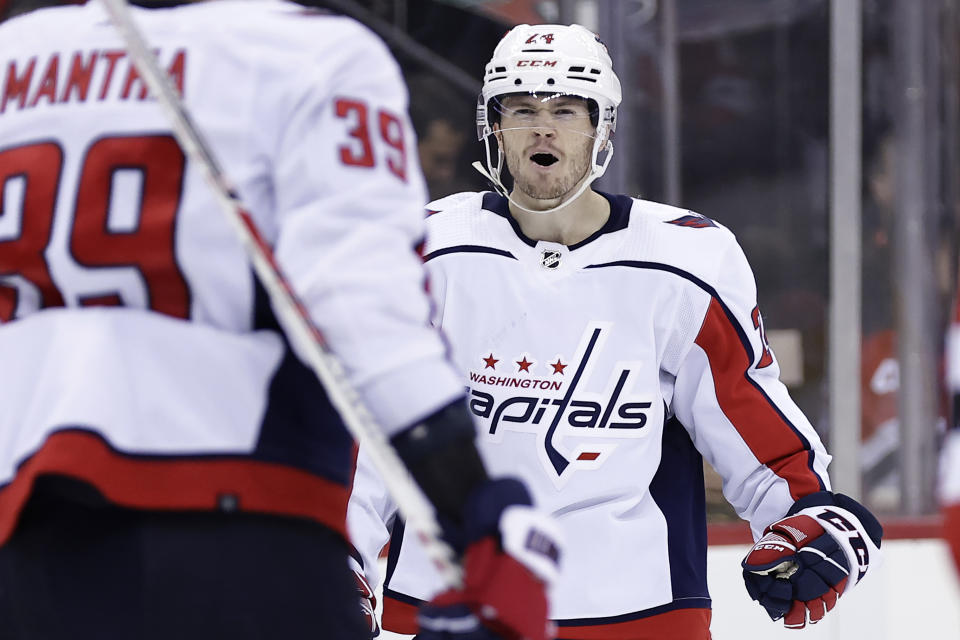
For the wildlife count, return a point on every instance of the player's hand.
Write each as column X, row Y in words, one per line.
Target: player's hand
column 796, row 571
column 367, row 598
column 511, row 557
column 804, row 562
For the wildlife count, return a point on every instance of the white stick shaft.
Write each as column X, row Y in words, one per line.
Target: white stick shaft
column 294, row 318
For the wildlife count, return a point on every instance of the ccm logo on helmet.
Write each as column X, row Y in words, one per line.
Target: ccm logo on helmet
column 536, row 63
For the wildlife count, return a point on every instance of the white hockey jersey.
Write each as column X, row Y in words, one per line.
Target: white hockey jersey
column 139, row 353
column 599, row 373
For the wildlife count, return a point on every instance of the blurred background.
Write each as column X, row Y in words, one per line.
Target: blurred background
column 824, row 133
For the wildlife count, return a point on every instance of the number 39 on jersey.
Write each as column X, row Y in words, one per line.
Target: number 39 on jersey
column 103, row 232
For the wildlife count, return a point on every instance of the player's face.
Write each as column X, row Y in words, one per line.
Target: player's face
column 547, row 143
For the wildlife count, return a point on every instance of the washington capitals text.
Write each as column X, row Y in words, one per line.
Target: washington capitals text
column 578, row 413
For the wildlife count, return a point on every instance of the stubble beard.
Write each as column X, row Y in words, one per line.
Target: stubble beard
column 554, row 187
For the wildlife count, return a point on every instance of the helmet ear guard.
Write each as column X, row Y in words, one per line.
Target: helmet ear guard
column 550, row 59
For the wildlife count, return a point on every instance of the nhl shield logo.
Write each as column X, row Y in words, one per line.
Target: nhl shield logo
column 550, row 259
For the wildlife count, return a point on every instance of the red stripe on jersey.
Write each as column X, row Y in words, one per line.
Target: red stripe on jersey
column 772, row 439
column 399, row 617
column 951, row 531
column 175, row 483
column 679, row 624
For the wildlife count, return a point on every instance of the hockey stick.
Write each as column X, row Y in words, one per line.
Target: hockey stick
column 294, row 318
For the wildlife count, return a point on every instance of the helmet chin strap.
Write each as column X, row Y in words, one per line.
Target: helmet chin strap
column 493, row 174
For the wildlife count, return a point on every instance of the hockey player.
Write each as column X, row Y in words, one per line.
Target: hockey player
column 608, row 343
column 168, row 467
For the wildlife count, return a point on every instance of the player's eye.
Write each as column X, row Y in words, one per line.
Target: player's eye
column 568, row 113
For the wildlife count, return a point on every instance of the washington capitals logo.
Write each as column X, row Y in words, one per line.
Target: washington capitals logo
column 552, row 402
column 693, row 221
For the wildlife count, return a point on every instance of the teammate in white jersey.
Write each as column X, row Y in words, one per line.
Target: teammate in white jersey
column 168, row 466
column 607, row 343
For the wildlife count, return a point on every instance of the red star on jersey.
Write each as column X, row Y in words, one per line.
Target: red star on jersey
column 524, row 365
column 557, row 367
column 491, row 362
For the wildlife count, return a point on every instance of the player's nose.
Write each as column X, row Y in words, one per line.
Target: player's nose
column 544, row 124
column 545, row 129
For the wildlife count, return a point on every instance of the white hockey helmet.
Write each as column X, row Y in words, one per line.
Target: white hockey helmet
column 550, row 59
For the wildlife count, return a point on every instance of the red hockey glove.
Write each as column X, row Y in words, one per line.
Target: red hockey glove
column 802, row 564
column 512, row 555
column 367, row 598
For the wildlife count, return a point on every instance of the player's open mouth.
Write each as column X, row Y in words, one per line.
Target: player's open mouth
column 544, row 159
